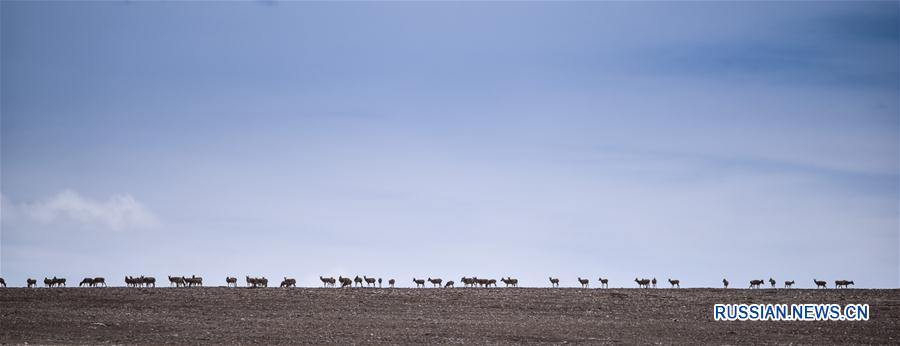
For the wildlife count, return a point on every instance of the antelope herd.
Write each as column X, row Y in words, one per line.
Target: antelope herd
column 262, row 282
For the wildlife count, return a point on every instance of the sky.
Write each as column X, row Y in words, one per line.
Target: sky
column 688, row 140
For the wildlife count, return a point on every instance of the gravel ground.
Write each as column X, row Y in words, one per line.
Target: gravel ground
column 391, row 316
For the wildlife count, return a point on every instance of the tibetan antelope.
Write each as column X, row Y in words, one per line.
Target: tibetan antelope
column 2, row 282
column 193, row 281
column 345, row 281
column 842, row 283
column 772, row 282
column 653, row 282
column 131, row 282
column 48, row 282
column 491, row 282
column 788, row 284
column 509, row 281
column 230, row 281
column 251, row 282
column 369, row 281
column 642, row 283
column 554, row 282
column 148, row 281
column 86, row 281
column 821, row 284
column 391, row 282
column 178, row 281
column 449, row 284
column 603, row 282
column 756, row 283
column 100, row 281
column 725, row 282
column 419, row 283
column 584, row 282
column 357, row 281
column 289, row 282
column 435, row 282
column 31, row 282
column 467, row 281
column 327, row 281
column 379, row 282
column 675, row 283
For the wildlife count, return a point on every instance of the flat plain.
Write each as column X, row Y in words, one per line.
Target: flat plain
column 218, row 315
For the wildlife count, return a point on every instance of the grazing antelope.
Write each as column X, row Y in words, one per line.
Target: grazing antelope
column 99, row 281
column 391, row 282
column 653, row 282
column 603, row 282
column 554, row 282
column 725, row 282
column 31, row 282
column 788, row 284
column 419, row 283
column 327, row 281
column 822, row 284
column 357, row 281
column 843, row 283
column 230, row 281
column 772, row 282
column 675, row 283
column 642, row 283
column 584, row 282
column 86, row 281
column 289, row 282
column 369, row 281
column 193, row 281
column 2, row 282
column 756, row 283
column 178, row 281
column 345, row 281
column 435, row 282
column 379, row 282
column 149, row 281
column 467, row 281
column 449, row 284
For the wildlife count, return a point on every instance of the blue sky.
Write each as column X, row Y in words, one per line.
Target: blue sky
column 692, row 140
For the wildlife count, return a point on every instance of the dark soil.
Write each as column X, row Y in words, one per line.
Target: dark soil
column 405, row 316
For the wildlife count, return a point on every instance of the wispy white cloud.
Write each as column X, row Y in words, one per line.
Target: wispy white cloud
column 117, row 213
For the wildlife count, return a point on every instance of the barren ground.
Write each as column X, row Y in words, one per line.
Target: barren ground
column 524, row 315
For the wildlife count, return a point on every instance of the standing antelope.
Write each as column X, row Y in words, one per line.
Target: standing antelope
column 178, row 281
column 584, row 282
column 653, row 282
column 756, row 283
column 449, row 284
column 288, row 282
column 788, row 284
column 369, row 281
column 725, row 282
column 822, row 284
column 554, row 282
column 510, row 281
column 357, row 281
column 99, row 281
column 419, row 283
column 467, row 281
column 772, row 282
column 345, row 281
column 31, row 282
column 642, row 283
column 675, row 283
column 148, row 281
column 327, row 281
column 379, row 282
column 391, row 282
column 230, row 281
column 435, row 282
column 603, row 282
column 2, row 282
column 49, row 282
